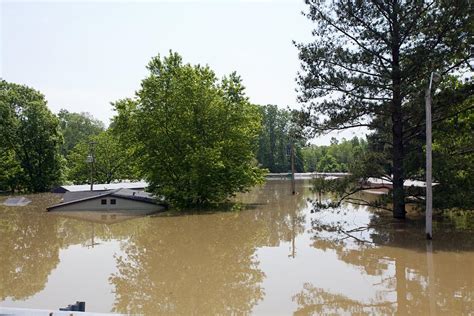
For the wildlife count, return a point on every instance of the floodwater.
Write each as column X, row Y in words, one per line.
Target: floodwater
column 273, row 257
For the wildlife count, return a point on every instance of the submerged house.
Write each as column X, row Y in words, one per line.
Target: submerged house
column 110, row 200
column 140, row 185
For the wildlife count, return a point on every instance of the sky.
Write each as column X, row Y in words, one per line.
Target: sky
column 82, row 55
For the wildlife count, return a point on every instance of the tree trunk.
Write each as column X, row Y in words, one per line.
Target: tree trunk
column 398, row 190
column 397, row 121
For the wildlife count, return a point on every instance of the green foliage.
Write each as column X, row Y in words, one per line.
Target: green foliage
column 30, row 142
column 453, row 147
column 323, row 185
column 452, row 113
column 371, row 54
column 328, row 163
column 369, row 60
column 125, row 120
column 112, row 162
column 337, row 157
column 194, row 137
column 278, row 132
column 10, row 170
column 77, row 127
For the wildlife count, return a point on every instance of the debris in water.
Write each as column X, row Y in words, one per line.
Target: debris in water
column 17, row 201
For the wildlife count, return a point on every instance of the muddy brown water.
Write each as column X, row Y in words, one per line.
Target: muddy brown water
column 273, row 257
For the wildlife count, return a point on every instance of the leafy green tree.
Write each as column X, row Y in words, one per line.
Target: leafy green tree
column 112, row 161
column 77, row 127
column 278, row 132
column 370, row 58
column 10, row 170
column 311, row 156
column 337, row 157
column 195, row 137
column 30, row 139
column 328, row 164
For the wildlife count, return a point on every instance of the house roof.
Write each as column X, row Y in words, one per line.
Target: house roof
column 77, row 197
column 101, row 187
column 73, row 196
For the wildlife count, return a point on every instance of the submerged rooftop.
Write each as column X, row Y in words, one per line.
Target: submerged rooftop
column 140, row 185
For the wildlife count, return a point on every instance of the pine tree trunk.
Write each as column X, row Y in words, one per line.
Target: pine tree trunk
column 397, row 121
column 398, row 190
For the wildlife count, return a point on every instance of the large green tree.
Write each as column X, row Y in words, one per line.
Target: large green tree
column 30, row 140
column 112, row 161
column 77, row 127
column 195, row 137
column 370, row 58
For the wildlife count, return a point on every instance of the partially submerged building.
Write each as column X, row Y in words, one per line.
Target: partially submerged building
column 140, row 185
column 109, row 200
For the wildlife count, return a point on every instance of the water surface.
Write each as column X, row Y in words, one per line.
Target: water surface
column 274, row 257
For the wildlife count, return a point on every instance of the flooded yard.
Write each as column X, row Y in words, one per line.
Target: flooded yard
column 273, row 257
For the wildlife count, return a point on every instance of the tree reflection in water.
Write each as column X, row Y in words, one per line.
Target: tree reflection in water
column 317, row 301
column 208, row 264
column 423, row 278
column 205, row 264
column 29, row 251
column 31, row 240
column 190, row 266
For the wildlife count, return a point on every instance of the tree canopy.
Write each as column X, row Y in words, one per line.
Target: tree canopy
column 29, row 147
column 112, row 161
column 369, row 59
column 194, row 136
column 77, row 127
column 277, row 134
column 337, row 157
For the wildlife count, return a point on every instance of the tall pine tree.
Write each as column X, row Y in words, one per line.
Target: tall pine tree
column 369, row 59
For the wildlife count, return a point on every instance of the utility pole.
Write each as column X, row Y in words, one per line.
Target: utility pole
column 91, row 159
column 293, row 189
column 429, row 186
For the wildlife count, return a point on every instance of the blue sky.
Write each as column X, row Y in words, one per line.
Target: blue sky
column 85, row 54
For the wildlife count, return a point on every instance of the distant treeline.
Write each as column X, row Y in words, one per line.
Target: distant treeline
column 277, row 135
column 336, row 157
column 279, row 132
